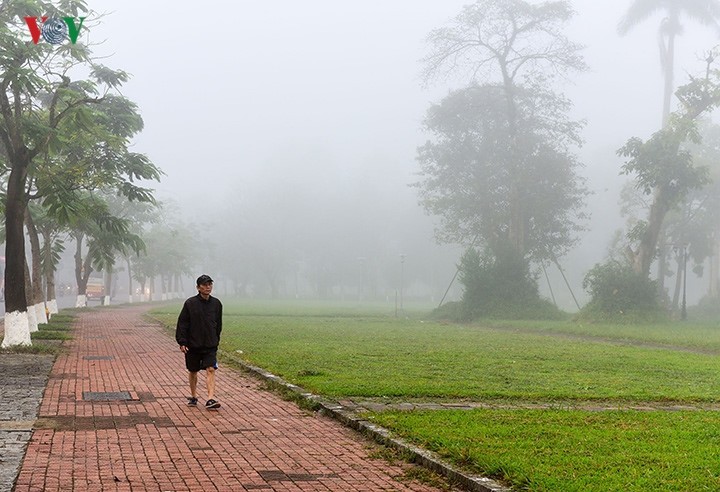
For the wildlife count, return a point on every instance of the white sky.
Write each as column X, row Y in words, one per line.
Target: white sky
column 225, row 85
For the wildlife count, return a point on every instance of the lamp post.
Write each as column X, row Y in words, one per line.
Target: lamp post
column 683, row 313
column 681, row 249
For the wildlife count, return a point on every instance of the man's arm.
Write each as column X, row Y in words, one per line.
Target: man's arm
column 219, row 320
column 183, row 324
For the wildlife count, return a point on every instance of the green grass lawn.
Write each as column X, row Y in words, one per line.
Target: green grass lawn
column 700, row 336
column 351, row 351
column 565, row 450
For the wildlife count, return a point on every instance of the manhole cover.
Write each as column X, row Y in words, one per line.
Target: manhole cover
column 99, row 422
column 279, row 476
column 106, row 395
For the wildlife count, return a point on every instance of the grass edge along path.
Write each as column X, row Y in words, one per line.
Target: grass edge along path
column 541, row 449
column 348, row 417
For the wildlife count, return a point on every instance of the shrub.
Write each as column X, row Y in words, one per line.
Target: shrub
column 450, row 311
column 617, row 293
column 501, row 285
column 707, row 309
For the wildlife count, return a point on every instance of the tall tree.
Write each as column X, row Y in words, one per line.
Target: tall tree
column 138, row 214
column 36, row 94
column 168, row 254
column 512, row 48
column 104, row 235
column 467, row 172
column 96, row 158
column 706, row 12
column 664, row 168
column 53, row 244
column 692, row 226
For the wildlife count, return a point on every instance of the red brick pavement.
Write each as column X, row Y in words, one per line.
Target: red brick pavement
column 153, row 441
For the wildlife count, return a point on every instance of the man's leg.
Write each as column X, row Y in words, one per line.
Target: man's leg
column 193, row 378
column 211, row 383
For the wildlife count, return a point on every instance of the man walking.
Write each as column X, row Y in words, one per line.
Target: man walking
column 198, row 334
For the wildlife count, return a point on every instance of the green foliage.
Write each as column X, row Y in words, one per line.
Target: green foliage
column 109, row 77
column 471, row 176
column 168, row 249
column 663, row 166
column 618, row 293
column 660, row 162
column 501, row 286
column 65, row 138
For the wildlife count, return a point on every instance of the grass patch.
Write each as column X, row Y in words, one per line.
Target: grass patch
column 704, row 336
column 399, row 358
column 67, row 327
column 544, row 450
column 36, row 348
column 304, row 308
column 46, row 334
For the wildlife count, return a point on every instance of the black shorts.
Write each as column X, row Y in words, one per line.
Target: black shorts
column 200, row 359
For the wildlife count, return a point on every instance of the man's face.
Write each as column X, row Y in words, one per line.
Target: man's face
column 205, row 289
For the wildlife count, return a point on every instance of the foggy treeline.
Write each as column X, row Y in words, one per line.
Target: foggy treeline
column 314, row 174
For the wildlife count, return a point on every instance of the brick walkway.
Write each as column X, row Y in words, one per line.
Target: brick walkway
column 113, row 418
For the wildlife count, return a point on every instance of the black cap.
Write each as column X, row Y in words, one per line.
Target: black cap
column 204, row 279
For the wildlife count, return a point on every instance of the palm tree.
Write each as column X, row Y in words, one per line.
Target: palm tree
column 706, row 12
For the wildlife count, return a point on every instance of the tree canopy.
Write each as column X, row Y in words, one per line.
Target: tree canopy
column 472, row 164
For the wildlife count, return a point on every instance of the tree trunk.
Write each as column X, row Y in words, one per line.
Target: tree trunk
column 164, row 282
column 678, row 283
column 668, row 73
column 17, row 331
column 130, row 281
column 662, row 266
column 38, row 299
column 516, row 227
column 50, row 295
column 108, row 285
column 174, row 286
column 714, row 281
column 32, row 316
column 642, row 258
column 83, row 269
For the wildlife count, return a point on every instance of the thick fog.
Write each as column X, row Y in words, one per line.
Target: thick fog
column 305, row 116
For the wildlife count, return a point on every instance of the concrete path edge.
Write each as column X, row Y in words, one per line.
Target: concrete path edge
column 379, row 434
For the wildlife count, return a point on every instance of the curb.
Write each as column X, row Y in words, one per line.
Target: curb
column 422, row 457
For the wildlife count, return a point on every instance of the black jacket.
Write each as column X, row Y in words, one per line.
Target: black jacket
column 200, row 323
